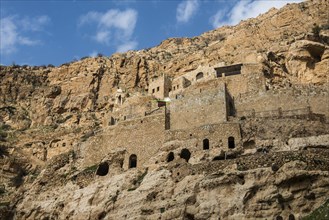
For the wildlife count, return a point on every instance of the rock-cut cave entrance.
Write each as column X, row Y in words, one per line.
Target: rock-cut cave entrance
column 199, row 76
column 103, row 169
column 185, row 154
column 170, row 157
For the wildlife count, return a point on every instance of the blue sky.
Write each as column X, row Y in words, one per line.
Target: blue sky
column 45, row 32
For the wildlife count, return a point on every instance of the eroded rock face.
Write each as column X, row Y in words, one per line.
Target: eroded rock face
column 257, row 193
column 308, row 61
column 49, row 115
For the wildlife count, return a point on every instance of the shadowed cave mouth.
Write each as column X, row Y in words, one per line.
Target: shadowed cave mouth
column 199, row 76
column 170, row 157
column 185, row 154
column 103, row 169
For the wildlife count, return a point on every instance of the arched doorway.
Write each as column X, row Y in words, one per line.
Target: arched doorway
column 170, row 157
column 231, row 143
column 103, row 169
column 199, row 76
column 185, row 154
column 205, row 144
column 132, row 161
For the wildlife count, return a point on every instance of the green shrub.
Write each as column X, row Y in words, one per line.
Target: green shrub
column 34, row 176
column 138, row 181
column 140, row 178
column 322, row 213
column 91, row 169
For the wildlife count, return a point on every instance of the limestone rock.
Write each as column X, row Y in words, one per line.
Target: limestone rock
column 307, row 61
column 65, row 131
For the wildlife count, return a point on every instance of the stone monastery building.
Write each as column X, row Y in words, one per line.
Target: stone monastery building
column 192, row 117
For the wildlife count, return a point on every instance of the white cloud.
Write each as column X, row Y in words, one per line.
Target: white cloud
column 127, row 46
column 8, row 35
column 89, row 18
column 244, row 9
column 102, row 36
column 14, row 31
column 27, row 41
column 186, row 10
column 112, row 27
column 34, row 24
column 218, row 19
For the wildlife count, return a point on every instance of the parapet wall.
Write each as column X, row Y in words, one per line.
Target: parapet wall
column 274, row 113
column 286, row 99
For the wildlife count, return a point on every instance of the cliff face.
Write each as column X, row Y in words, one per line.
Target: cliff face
column 292, row 44
column 47, row 112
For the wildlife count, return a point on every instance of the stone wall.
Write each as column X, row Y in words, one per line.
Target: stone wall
column 251, row 80
column 198, row 105
column 198, row 112
column 160, row 87
column 57, row 147
column 178, row 86
column 217, row 134
column 142, row 137
column 201, row 74
column 290, row 99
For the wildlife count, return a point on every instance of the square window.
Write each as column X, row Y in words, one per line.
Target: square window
column 158, row 89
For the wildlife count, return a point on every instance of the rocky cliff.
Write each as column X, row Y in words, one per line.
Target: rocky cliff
column 43, row 177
